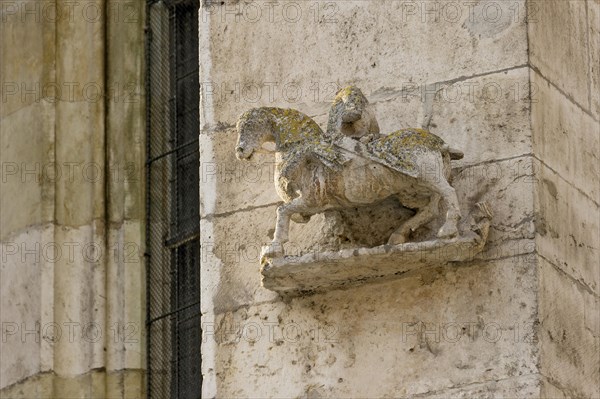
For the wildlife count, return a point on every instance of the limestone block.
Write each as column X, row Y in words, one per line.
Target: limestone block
column 565, row 138
column 126, row 384
column 79, row 299
column 38, row 386
column 125, row 293
column 228, row 184
column 231, row 256
column 125, row 109
column 80, row 150
column 89, row 385
column 27, row 51
column 568, row 333
column 465, row 325
column 21, row 287
column 379, row 41
column 28, row 168
column 485, row 117
column 80, row 54
column 567, row 225
column 558, row 45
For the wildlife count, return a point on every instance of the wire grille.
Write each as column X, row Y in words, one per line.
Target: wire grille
column 173, row 245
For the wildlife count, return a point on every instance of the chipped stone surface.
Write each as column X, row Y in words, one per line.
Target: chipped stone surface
column 321, row 271
column 464, row 325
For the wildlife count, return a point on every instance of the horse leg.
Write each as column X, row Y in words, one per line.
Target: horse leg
column 438, row 183
column 282, row 227
column 449, row 228
column 423, row 216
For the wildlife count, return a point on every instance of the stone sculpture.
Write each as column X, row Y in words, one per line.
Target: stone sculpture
column 351, row 165
column 351, row 115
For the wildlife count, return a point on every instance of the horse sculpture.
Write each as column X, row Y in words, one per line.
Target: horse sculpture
column 315, row 173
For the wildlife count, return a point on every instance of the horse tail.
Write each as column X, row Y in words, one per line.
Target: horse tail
column 453, row 152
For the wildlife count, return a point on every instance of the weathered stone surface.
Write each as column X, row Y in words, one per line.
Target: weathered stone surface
column 21, row 287
column 379, row 41
column 507, row 186
column 321, row 271
column 549, row 390
column 80, row 143
column 58, row 58
column 27, row 169
column 231, row 254
column 485, row 117
column 398, row 334
column 125, row 110
column 569, row 333
column 565, row 138
column 228, row 184
column 594, row 51
column 399, row 109
column 125, row 297
column 350, row 165
column 38, row 386
column 527, row 386
column 567, row 226
column 126, row 384
column 558, row 45
column 29, row 78
column 79, row 298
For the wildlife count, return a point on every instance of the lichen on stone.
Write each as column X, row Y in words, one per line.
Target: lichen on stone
column 400, row 148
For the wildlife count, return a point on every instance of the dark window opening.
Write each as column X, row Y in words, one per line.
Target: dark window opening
column 172, row 200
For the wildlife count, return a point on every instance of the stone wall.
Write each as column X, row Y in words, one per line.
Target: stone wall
column 461, row 70
column 565, row 70
column 516, row 91
column 72, row 207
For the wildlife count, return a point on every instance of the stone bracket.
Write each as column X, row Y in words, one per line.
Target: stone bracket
column 322, row 271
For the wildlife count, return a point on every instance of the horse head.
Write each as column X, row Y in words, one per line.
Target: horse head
column 254, row 129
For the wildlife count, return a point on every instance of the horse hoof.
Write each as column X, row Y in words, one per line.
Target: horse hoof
column 273, row 250
column 448, row 231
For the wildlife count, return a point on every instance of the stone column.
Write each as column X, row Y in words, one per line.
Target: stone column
column 75, row 223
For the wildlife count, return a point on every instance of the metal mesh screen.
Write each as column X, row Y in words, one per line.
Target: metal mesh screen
column 173, row 246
